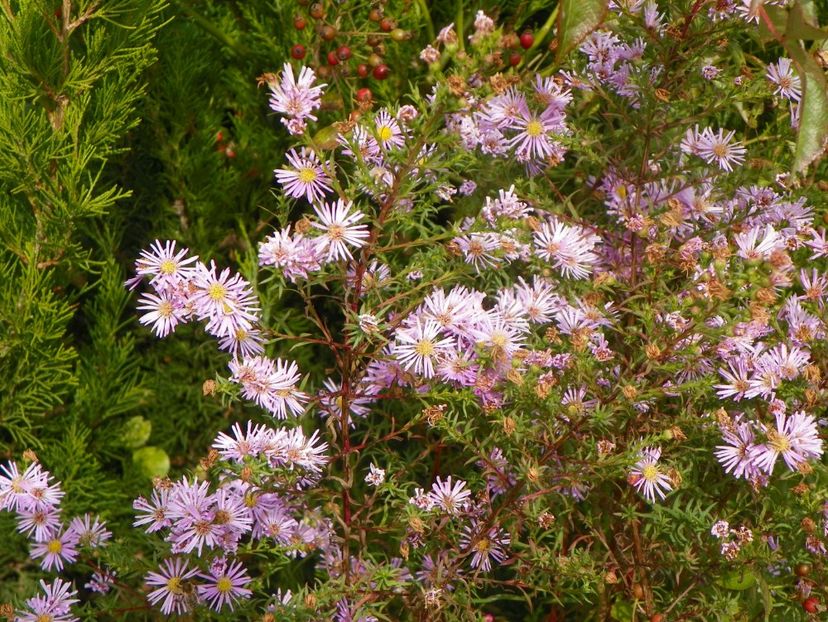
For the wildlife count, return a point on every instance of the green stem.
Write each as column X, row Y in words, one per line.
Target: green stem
column 540, row 35
column 429, row 23
column 458, row 25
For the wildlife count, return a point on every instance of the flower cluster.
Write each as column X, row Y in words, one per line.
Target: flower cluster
column 261, row 473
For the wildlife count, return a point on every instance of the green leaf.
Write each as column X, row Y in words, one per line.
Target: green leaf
column 737, row 580
column 813, row 109
column 578, row 18
column 800, row 25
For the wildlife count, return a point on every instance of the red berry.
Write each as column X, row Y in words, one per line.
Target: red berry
column 328, row 32
column 386, row 25
column 299, row 22
column 317, row 11
column 343, row 52
column 362, row 70
column 811, row 605
column 514, row 59
column 375, row 15
column 526, row 40
column 219, row 136
column 332, row 59
column 381, row 71
column 298, row 51
column 657, row 617
column 364, row 95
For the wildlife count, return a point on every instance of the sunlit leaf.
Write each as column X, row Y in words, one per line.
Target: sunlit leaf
column 578, row 18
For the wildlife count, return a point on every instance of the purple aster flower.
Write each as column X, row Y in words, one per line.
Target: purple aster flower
column 340, row 229
column 305, row 178
column 485, row 547
column 569, row 249
column 534, row 139
column 53, row 606
column 57, row 549
column 736, row 455
column 718, row 148
column 15, row 486
column 388, row 131
column 38, row 523
column 153, row 512
column 225, row 300
column 164, row 312
column 795, row 438
column 788, row 84
column 647, row 477
column 173, row 586
column 91, row 531
column 419, row 347
column 224, row 585
column 101, row 581
column 452, row 498
column 166, row 266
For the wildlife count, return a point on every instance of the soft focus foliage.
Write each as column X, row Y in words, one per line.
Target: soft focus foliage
column 413, row 311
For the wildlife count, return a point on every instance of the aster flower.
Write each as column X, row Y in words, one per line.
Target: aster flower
column 569, row 249
column 485, row 547
column 225, row 300
column 534, row 138
column 101, row 581
column 16, row 487
column 419, row 347
column 451, row 498
column 305, row 177
column 340, row 229
column 153, row 512
column 795, row 438
column 53, row 606
column 296, row 97
column 246, row 342
column 242, row 444
column 165, row 265
column 173, row 586
column 758, row 242
column 477, row 249
column 296, row 255
column 738, row 381
column 782, row 75
column 91, row 531
column 647, row 477
column 388, row 131
column 736, row 456
column 57, row 549
column 225, row 584
column 39, row 523
column 376, row 475
column 717, row 148
column 163, row 311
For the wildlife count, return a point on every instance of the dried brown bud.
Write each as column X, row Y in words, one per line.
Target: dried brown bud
column 808, row 525
column 801, row 488
column 605, row 447
column 30, row 456
column 434, row 414
column 652, row 351
column 303, row 225
column 210, row 459
column 246, row 474
column 509, row 426
column 655, row 252
column 629, row 391
column 208, row 387
column 610, row 578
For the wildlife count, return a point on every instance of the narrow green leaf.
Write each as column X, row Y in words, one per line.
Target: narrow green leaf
column 813, row 112
column 578, row 18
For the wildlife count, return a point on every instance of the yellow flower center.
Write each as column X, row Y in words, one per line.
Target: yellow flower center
column 168, row 266
column 385, row 133
column 424, row 348
column 778, row 442
column 174, row 585
column 216, row 291
column 44, row 617
column 650, row 473
column 165, row 309
column 483, row 545
column 534, row 128
column 307, row 175
column 336, row 233
column 719, row 150
column 54, row 546
column 224, row 585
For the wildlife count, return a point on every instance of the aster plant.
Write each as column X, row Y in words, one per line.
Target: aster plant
column 561, row 349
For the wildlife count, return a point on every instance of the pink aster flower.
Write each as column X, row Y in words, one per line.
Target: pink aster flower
column 535, row 137
column 477, row 249
column 737, row 381
column 164, row 264
column 758, row 242
column 173, row 586
column 788, row 84
column 419, row 347
column 296, row 97
column 225, row 300
column 795, row 438
column 40, row 524
column 452, row 498
column 241, row 445
column 305, row 177
column 153, row 512
column 59, row 548
column 16, row 487
column 647, row 476
column 340, row 229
